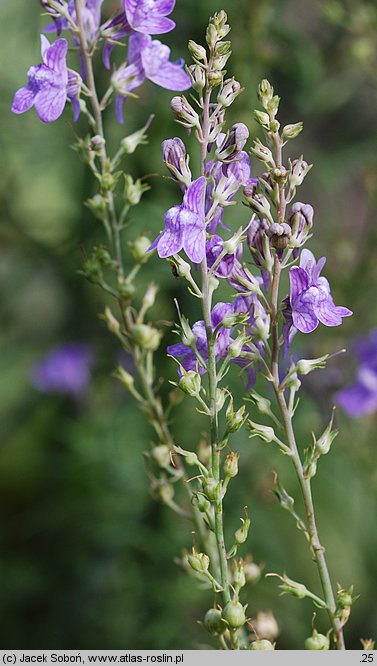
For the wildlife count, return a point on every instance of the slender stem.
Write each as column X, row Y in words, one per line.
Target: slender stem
column 212, row 375
column 99, row 128
column 317, row 549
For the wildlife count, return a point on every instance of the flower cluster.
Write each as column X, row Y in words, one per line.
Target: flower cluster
column 52, row 83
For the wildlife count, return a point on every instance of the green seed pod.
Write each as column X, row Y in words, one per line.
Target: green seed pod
column 262, row 645
column 317, row 642
column 146, row 337
column 234, row 614
column 213, row 622
column 198, row 561
column 211, row 488
column 161, row 455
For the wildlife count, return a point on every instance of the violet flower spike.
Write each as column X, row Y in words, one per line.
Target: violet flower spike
column 147, row 59
column 185, row 226
column 149, row 16
column 310, row 296
column 187, row 356
column 49, row 84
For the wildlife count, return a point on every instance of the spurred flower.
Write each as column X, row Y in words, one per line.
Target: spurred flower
column 310, row 296
column 147, row 59
column 361, row 397
column 214, row 248
column 149, row 16
column 49, row 84
column 185, row 226
column 187, row 356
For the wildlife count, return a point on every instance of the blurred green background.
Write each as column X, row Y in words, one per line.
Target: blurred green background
column 86, row 554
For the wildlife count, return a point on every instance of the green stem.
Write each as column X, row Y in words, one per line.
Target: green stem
column 317, row 549
column 212, row 376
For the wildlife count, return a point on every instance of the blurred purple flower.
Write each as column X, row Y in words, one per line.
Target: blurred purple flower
column 49, row 84
column 361, row 397
column 185, row 226
column 64, row 370
column 147, row 59
column 114, row 29
column 186, row 355
column 91, row 20
column 310, row 296
column 149, row 16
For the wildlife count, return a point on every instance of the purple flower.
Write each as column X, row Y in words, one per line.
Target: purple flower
column 361, row 397
column 64, row 370
column 91, row 20
column 310, row 296
column 49, row 84
column 214, row 247
column 114, row 30
column 226, row 180
column 149, row 16
column 185, row 226
column 147, row 59
column 187, row 356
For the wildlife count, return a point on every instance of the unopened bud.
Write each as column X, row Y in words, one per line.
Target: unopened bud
column 234, row 614
column 146, row 336
column 263, row 153
column 197, row 51
column 211, row 488
column 299, row 170
column 149, row 297
column 262, row 119
column 124, row 377
column 184, row 112
column 233, row 143
column 161, row 455
column 279, row 235
column 139, row 248
column 229, row 91
column 239, row 578
column 266, row 433
column 198, row 561
column 241, row 534
column 231, row 465
column 317, row 642
column 131, row 142
column 213, row 622
column 176, row 159
column 112, row 323
column 235, row 420
column 215, row 78
column 291, row 131
column 262, row 644
column 198, row 77
column 323, row 444
column 190, row 383
column 133, row 190
column 304, row 366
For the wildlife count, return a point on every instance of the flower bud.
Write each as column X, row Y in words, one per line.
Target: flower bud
column 96, row 143
column 317, row 642
column 198, row 561
column 177, row 161
column 265, row 92
column 149, row 297
column 146, row 336
column 323, row 444
column 131, row 142
column 231, row 465
column 235, row 420
column 257, row 240
column 236, row 347
column 215, row 78
column 197, row 51
column 211, row 488
column 124, row 377
column 262, row 644
column 213, row 622
column 265, row 626
column 241, row 534
column 239, row 578
column 165, row 493
column 161, row 455
column 201, row 503
column 139, row 248
column 262, row 119
column 304, row 366
column 133, row 190
column 299, row 170
column 52, row 7
column 234, row 614
column 291, row 131
column 252, row 570
column 220, row 399
column 211, row 35
column 263, row 153
column 112, row 323
column 184, row 112
column 197, row 76
column 230, row 89
column 190, row 383
column 279, row 235
column 232, row 144
column 266, row 433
